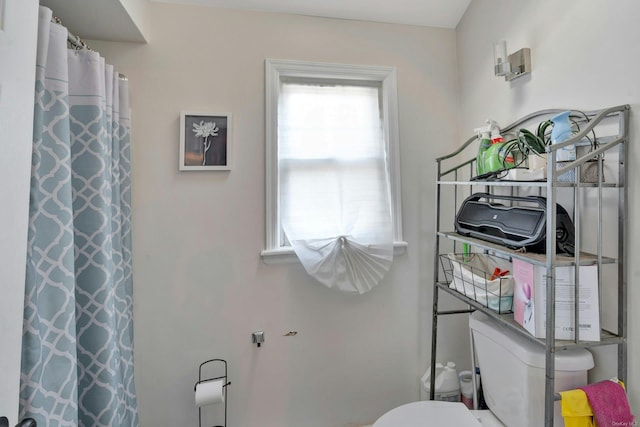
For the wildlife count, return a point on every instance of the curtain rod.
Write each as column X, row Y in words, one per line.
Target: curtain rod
column 73, row 40
column 77, row 43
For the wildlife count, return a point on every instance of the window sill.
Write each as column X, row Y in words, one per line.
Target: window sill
column 286, row 255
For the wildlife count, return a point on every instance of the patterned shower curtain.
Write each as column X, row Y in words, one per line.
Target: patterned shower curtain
column 77, row 355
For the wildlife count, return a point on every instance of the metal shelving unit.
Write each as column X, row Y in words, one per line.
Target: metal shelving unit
column 454, row 182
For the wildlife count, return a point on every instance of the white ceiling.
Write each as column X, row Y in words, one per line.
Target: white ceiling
column 96, row 19
column 111, row 19
column 433, row 13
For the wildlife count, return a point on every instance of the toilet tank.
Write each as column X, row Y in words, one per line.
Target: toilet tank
column 512, row 371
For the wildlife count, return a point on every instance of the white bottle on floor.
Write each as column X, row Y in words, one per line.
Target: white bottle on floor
column 450, row 387
column 447, row 383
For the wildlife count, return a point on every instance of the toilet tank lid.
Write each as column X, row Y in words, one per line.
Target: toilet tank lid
column 525, row 349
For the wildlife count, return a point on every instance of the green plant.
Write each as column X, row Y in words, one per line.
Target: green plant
column 528, row 143
column 525, row 144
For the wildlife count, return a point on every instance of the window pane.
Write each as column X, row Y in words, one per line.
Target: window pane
column 324, row 122
column 331, row 155
column 322, row 198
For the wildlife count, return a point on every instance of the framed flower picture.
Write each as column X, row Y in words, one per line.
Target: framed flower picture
column 205, row 141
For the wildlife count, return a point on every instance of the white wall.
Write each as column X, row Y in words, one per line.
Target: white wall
column 200, row 285
column 584, row 56
column 17, row 77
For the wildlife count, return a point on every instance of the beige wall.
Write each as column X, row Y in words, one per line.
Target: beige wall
column 584, row 56
column 200, row 285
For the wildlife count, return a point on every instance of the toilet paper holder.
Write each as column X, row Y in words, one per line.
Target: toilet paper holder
column 202, row 380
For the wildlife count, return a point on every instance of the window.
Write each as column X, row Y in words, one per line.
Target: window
column 332, row 135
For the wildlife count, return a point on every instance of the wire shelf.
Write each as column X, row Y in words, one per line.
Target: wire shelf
column 484, row 278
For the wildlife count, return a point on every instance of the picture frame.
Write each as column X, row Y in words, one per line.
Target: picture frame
column 205, row 141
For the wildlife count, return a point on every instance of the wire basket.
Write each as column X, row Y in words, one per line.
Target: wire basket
column 484, row 278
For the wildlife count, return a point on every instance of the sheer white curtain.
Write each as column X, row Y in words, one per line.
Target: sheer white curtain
column 335, row 206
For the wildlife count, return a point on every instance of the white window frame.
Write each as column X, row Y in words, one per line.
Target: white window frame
column 277, row 70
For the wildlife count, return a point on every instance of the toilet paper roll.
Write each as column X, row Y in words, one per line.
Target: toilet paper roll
column 209, row 392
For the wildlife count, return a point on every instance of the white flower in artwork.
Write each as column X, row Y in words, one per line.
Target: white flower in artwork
column 205, row 130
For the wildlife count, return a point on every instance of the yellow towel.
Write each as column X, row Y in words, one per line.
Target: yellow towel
column 575, row 409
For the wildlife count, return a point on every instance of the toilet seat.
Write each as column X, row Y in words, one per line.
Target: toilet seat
column 436, row 413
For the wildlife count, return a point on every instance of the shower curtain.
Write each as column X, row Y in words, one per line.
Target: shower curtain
column 77, row 352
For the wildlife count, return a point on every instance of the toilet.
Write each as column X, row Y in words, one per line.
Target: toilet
column 437, row 413
column 512, row 371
